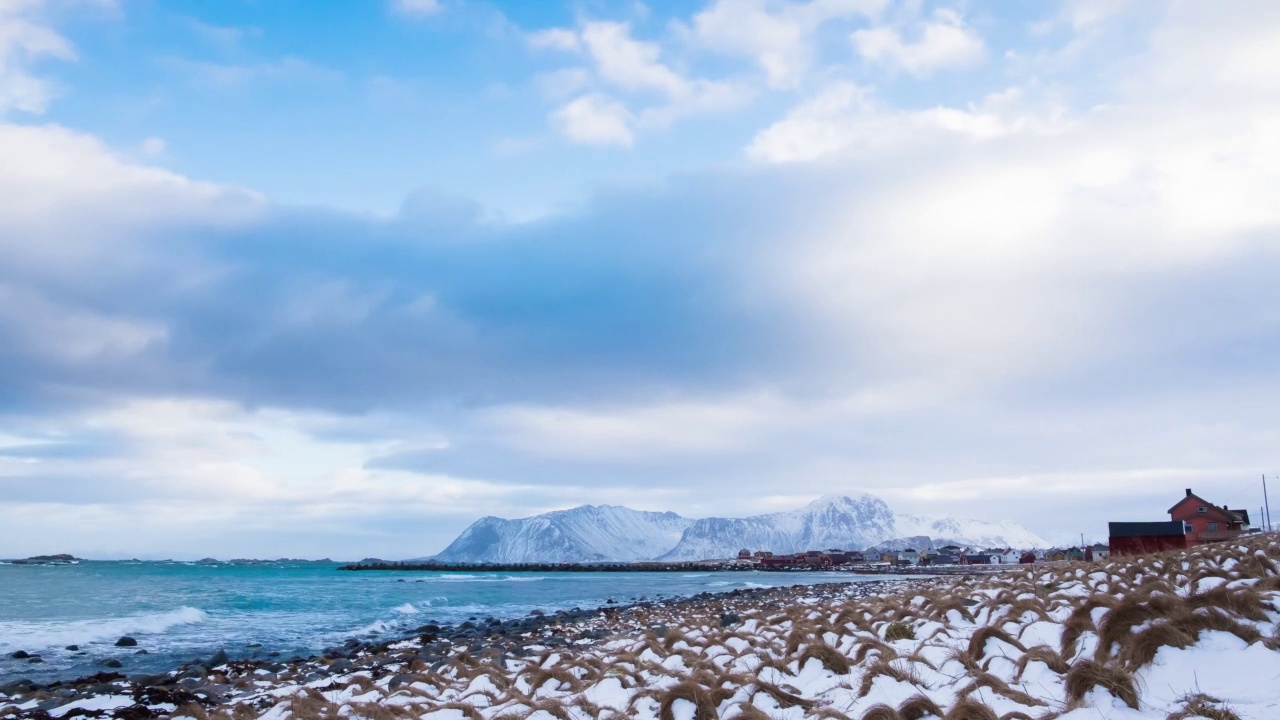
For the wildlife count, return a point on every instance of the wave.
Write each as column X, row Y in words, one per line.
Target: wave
column 480, row 579
column 696, row 575
column 407, row 609
column 56, row 634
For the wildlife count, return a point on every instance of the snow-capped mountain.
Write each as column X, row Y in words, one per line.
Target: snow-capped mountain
column 968, row 533
column 602, row 533
column 828, row 522
column 590, row 533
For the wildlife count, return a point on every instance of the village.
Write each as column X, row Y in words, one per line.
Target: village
column 1192, row 521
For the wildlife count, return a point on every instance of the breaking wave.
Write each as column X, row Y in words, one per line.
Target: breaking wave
column 54, row 634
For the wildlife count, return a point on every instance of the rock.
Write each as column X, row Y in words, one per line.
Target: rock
column 35, row 659
column 17, row 686
column 20, row 655
column 143, row 680
column 219, row 658
column 126, row 641
column 340, row 666
column 195, row 671
column 142, row 652
column 399, row 680
column 73, row 648
column 112, row 663
column 728, row 619
column 429, row 628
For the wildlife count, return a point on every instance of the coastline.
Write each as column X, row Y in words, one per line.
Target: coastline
column 1179, row 634
column 220, row 680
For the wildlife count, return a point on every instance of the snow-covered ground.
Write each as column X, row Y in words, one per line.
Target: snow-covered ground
column 1163, row 637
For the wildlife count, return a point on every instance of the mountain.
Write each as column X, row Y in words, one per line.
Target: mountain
column 828, row 522
column 590, row 533
column 969, row 533
column 609, row 533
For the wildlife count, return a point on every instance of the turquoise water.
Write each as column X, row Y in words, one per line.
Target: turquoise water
column 181, row 611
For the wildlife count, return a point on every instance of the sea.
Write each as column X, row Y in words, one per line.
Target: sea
column 182, row 611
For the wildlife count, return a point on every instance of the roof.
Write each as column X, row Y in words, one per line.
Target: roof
column 1146, row 529
column 1244, row 516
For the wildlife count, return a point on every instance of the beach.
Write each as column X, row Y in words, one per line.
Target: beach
column 1134, row 638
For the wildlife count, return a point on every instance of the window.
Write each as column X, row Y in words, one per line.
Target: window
column 1202, row 509
column 1213, row 527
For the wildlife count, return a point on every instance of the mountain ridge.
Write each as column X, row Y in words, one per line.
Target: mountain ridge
column 614, row 533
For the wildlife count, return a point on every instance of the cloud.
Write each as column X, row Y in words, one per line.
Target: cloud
column 1004, row 307
column 554, row 39
column 944, row 42
column 595, row 120
column 417, row 8
column 24, row 42
column 778, row 36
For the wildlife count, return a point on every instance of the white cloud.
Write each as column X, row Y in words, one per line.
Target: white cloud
column 417, row 8
column 23, row 43
column 843, row 118
column 628, row 63
column 945, row 41
column 777, row 35
column 595, row 120
column 562, row 39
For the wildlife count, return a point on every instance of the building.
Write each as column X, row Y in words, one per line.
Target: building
column 1101, row 551
column 1208, row 522
column 1138, row 538
column 975, row 559
column 761, row 554
column 744, row 554
column 779, row 561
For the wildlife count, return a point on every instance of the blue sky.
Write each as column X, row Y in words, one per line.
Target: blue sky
column 337, row 278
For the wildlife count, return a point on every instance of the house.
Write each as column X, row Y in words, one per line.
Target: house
column 760, row 554
column 1027, row 558
column 1100, row 551
column 1209, row 523
column 744, row 554
column 909, row 556
column 856, row 557
column 775, row 561
column 951, row 550
column 975, row 559
column 873, row 556
column 1138, row 538
column 889, row 557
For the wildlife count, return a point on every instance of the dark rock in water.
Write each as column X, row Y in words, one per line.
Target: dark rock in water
column 142, row 652
column 126, row 641
column 728, row 619
column 73, row 648
column 21, row 655
column 112, row 663
column 17, row 686
column 219, row 658
column 254, row 645
column 610, row 601
column 429, row 628
column 352, row 643
column 35, row 659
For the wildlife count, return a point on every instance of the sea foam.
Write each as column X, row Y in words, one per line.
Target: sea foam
column 50, row 634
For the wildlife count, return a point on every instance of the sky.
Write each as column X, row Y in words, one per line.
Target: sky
column 337, row 279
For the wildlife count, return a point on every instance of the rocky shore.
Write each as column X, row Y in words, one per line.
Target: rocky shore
column 221, row 681
column 1172, row 636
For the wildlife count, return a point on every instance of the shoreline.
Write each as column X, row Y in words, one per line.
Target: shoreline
column 1180, row 634
column 726, row 566
column 220, row 680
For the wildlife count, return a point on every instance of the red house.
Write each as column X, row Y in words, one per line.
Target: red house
column 1140, row 538
column 1209, row 523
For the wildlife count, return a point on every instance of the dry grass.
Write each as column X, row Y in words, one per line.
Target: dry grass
column 705, row 700
column 1203, row 706
column 900, row 630
column 1087, row 674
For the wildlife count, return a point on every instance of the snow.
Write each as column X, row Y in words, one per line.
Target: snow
column 597, row 533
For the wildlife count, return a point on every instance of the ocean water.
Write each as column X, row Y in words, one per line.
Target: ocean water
column 183, row 611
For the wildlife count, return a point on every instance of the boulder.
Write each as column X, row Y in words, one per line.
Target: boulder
column 112, row 663
column 17, row 686
column 219, row 658
column 728, row 619
column 126, row 641
column 73, row 648
column 21, row 655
